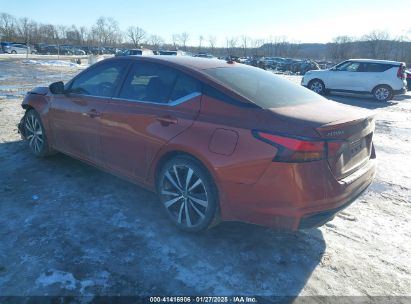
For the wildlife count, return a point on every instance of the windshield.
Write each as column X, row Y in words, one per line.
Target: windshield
column 263, row 88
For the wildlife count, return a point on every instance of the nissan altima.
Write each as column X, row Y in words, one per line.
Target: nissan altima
column 216, row 140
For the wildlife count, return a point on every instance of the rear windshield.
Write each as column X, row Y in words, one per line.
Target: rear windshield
column 262, row 87
column 136, row 52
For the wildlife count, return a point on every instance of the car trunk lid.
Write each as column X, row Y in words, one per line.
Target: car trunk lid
column 349, row 144
column 347, row 130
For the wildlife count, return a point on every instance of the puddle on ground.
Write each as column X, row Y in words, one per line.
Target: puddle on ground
column 378, row 187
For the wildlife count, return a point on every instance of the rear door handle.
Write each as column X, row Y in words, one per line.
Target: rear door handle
column 167, row 120
column 93, row 113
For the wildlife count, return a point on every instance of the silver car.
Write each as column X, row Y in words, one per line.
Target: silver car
column 18, row 49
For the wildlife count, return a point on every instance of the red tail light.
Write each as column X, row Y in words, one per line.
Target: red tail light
column 294, row 149
column 401, row 72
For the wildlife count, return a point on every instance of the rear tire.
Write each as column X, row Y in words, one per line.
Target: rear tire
column 317, row 86
column 383, row 93
column 13, row 52
column 188, row 194
column 35, row 134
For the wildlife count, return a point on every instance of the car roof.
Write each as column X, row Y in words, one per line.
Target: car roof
column 195, row 63
column 377, row 61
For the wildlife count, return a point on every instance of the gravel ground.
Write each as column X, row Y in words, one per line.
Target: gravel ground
column 67, row 228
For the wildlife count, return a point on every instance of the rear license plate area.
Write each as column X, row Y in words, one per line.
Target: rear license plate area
column 357, row 146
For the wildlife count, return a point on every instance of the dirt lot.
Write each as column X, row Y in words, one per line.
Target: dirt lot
column 67, row 228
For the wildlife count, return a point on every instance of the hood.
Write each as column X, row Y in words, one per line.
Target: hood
column 39, row 91
column 316, row 71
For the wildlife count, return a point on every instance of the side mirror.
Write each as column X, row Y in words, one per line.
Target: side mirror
column 57, row 87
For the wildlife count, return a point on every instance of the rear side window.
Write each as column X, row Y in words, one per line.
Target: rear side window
column 184, row 86
column 99, row 81
column 263, row 87
column 377, row 67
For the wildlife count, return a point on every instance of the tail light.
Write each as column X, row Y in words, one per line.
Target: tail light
column 401, row 72
column 296, row 150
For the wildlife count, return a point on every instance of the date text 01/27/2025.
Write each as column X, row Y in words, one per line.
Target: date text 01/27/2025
column 203, row 299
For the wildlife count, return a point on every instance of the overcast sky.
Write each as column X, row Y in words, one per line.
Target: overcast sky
column 299, row 20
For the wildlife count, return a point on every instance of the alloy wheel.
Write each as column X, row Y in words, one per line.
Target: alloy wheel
column 184, row 196
column 34, row 133
column 316, row 86
column 382, row 93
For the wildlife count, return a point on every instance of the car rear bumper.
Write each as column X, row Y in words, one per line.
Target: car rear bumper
column 401, row 91
column 295, row 196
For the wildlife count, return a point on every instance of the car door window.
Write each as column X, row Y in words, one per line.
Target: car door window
column 149, row 82
column 100, row 81
column 349, row 67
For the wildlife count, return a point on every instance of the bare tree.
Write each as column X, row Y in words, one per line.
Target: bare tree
column 136, row 35
column 83, row 31
column 257, row 44
column 25, row 29
column 377, row 42
column 212, row 40
column 341, row 47
column 156, row 41
column 7, row 26
column 200, row 39
column 231, row 44
column 184, row 38
column 61, row 34
column 73, row 35
column 176, row 41
column 47, row 33
column 244, row 44
column 107, row 31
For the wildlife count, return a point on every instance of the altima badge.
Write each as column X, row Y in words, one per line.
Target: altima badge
column 335, row 133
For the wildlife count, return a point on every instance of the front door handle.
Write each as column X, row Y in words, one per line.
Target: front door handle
column 167, row 120
column 93, row 113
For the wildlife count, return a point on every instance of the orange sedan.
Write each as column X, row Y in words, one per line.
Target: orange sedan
column 216, row 140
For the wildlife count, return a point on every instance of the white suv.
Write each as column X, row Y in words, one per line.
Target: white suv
column 381, row 78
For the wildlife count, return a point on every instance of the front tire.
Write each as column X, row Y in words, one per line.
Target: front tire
column 188, row 194
column 35, row 134
column 13, row 52
column 317, row 86
column 383, row 93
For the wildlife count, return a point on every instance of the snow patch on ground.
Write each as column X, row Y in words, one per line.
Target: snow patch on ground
column 51, row 63
column 65, row 279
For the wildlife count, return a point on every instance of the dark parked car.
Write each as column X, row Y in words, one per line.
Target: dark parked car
column 408, row 73
column 135, row 52
column 52, row 50
column 216, row 140
column 41, row 48
column 204, row 55
column 171, row 53
column 5, row 46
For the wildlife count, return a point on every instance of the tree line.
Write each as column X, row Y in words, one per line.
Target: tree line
column 106, row 33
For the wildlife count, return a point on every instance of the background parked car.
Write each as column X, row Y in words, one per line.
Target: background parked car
column 5, row 46
column 408, row 73
column 381, row 78
column 172, row 53
column 18, row 49
column 41, row 48
column 77, row 51
column 135, row 52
